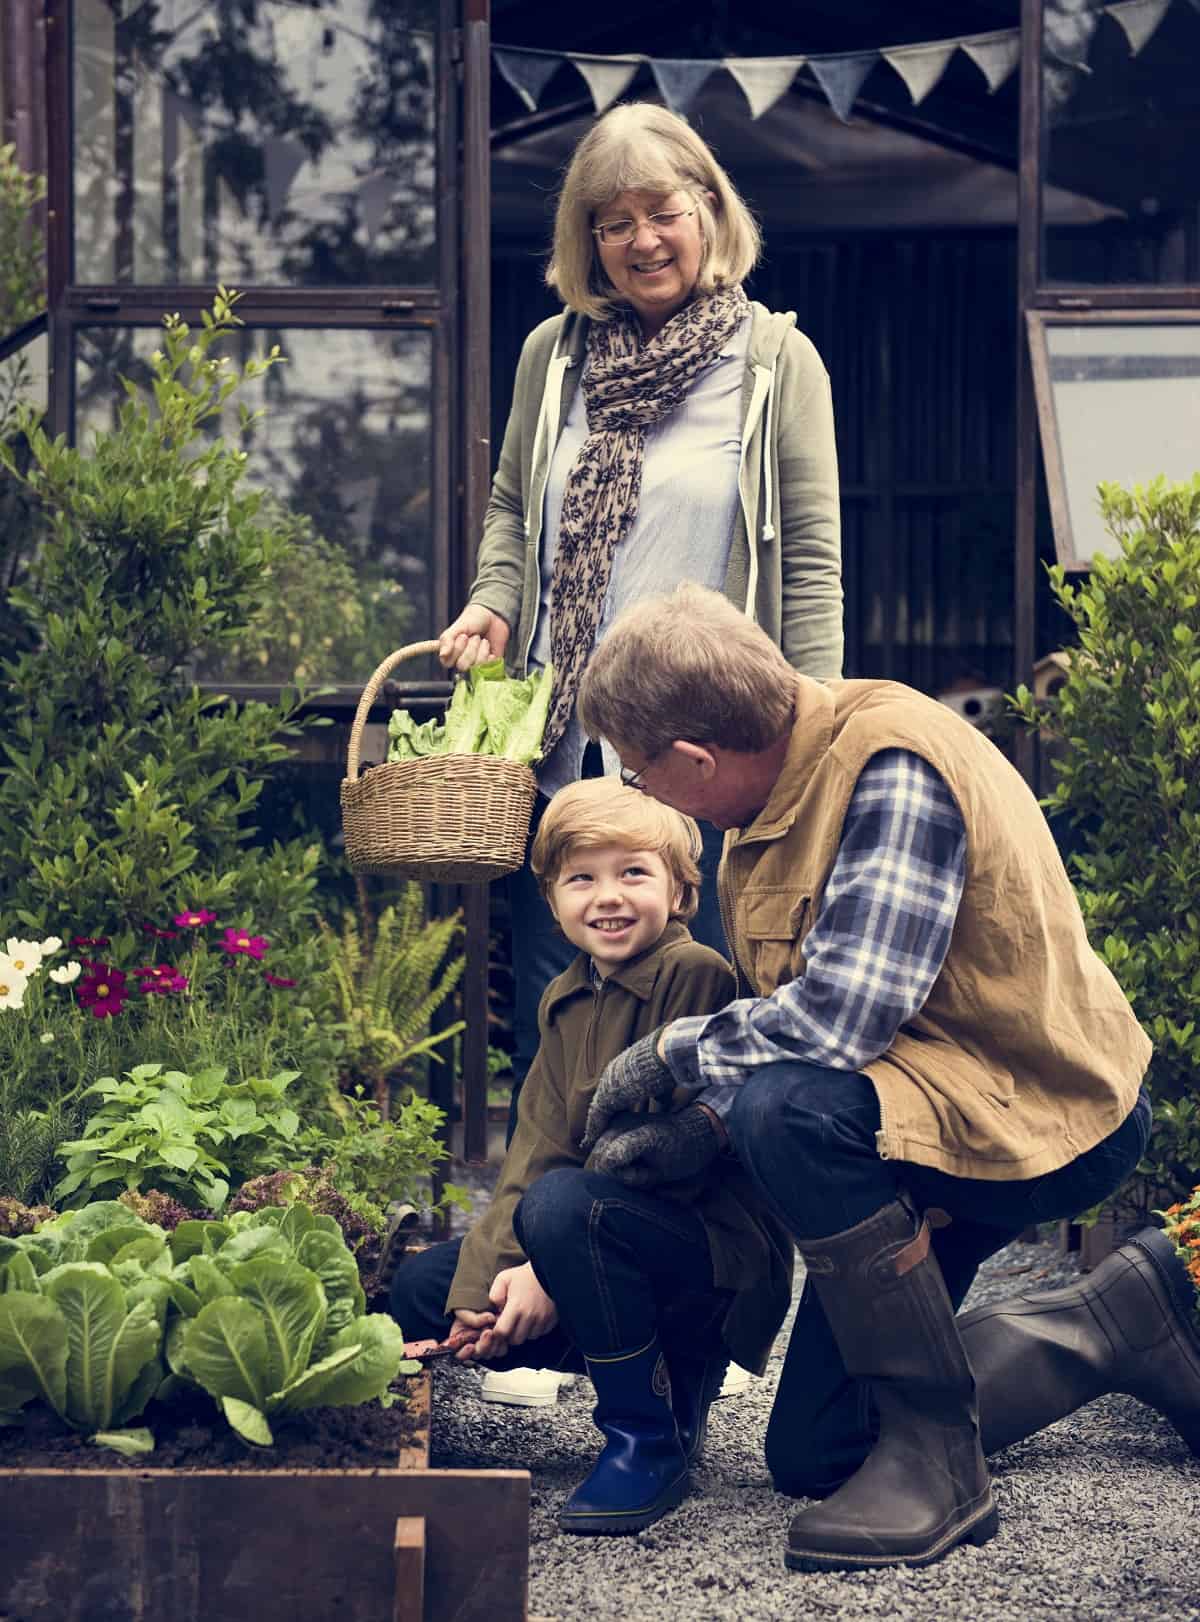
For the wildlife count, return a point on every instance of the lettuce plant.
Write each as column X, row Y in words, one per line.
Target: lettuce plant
column 490, row 713
column 100, row 1312
column 83, row 1304
column 272, row 1318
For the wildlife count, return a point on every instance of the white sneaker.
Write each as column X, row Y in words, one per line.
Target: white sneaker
column 736, row 1380
column 523, row 1388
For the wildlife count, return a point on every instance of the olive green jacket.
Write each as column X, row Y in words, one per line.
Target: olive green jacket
column 1026, row 1052
column 785, row 563
column 583, row 1025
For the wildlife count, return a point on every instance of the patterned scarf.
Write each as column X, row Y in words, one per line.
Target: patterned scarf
column 627, row 388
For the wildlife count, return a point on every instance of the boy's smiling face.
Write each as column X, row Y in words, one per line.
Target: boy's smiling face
column 612, row 902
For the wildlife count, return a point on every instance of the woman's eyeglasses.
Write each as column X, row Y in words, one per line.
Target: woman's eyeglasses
column 615, row 233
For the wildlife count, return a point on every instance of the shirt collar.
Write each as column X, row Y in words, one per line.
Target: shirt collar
column 638, row 976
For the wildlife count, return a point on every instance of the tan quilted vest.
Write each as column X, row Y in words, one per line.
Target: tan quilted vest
column 1026, row 1052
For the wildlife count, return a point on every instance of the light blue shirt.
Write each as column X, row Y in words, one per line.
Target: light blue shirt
column 685, row 518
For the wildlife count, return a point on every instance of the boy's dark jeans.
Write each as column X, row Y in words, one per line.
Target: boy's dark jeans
column 619, row 1264
column 807, row 1136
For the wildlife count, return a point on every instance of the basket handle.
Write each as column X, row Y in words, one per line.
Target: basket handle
column 412, row 651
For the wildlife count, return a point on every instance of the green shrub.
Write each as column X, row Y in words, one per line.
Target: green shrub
column 1126, row 731
column 125, row 794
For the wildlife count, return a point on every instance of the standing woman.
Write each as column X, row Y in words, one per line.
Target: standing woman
column 663, row 428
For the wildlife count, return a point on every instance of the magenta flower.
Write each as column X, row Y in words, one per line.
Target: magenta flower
column 277, row 980
column 240, row 943
column 194, row 920
column 160, row 934
column 102, row 991
column 90, row 940
column 161, row 981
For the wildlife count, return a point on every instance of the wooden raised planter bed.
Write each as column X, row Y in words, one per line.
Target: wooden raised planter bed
column 408, row 1544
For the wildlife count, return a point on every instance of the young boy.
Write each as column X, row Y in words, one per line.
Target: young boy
column 650, row 1293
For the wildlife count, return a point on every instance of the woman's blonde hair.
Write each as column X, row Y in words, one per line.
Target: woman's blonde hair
column 687, row 665
column 638, row 146
column 603, row 811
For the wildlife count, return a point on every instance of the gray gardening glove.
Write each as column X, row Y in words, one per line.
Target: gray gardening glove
column 628, row 1082
column 645, row 1150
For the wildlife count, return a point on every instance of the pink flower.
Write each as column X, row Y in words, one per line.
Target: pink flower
column 240, row 943
column 102, row 990
column 277, row 980
column 160, row 934
column 90, row 940
column 161, row 981
column 194, row 920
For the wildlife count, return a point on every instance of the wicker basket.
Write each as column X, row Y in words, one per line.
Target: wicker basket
column 458, row 818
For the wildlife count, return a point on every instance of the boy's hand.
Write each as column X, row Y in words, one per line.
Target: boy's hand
column 628, row 1082
column 523, row 1312
column 482, row 1322
column 642, row 1151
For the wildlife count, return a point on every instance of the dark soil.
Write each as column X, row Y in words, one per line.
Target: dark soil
column 191, row 1435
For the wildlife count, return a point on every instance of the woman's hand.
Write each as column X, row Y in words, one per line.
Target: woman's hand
column 476, row 636
column 525, row 1312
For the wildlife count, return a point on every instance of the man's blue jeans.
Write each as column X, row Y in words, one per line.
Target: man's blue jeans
column 620, row 1264
column 807, row 1136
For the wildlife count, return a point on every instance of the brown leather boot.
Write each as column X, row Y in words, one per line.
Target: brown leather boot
column 924, row 1487
column 1129, row 1326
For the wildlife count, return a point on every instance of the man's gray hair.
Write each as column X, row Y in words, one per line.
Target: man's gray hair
column 687, row 665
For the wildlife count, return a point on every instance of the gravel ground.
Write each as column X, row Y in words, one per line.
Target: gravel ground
column 1099, row 1513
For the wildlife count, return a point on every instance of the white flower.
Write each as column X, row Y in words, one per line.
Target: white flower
column 50, row 945
column 25, row 956
column 69, row 971
column 12, row 984
column 46, row 1038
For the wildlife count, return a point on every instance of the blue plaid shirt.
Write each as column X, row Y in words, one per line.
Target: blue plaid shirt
column 873, row 953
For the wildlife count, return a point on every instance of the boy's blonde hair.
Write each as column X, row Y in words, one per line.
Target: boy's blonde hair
column 638, row 146
column 603, row 811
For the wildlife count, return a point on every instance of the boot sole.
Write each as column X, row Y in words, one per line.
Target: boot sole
column 624, row 1523
column 979, row 1531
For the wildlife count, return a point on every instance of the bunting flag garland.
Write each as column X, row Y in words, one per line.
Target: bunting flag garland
column 681, row 80
column 1139, row 19
column 764, row 80
column 606, row 77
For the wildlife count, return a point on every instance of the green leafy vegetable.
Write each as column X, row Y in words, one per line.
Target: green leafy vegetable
column 490, row 714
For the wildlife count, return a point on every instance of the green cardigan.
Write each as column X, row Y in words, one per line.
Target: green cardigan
column 582, row 1027
column 785, row 561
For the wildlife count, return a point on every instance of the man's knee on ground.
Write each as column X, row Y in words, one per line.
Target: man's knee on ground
column 810, row 1465
column 557, row 1204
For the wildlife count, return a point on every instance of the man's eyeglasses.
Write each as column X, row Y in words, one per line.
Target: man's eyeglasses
column 634, row 779
column 616, row 233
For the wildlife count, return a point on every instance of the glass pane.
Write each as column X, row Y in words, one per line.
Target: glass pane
column 255, row 142
column 1122, row 130
column 1126, row 408
column 346, row 441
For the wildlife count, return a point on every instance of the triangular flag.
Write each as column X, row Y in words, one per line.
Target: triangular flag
column 681, row 80
column 281, row 161
column 764, row 79
column 374, row 199
column 529, row 72
column 995, row 55
column 606, row 76
column 920, row 66
column 1139, row 19
column 841, row 78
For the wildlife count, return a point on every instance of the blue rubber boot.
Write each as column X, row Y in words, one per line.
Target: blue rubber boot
column 695, row 1382
column 642, row 1472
